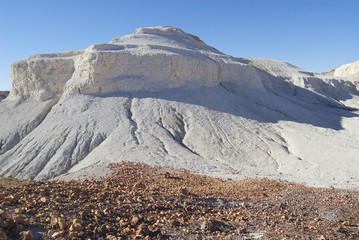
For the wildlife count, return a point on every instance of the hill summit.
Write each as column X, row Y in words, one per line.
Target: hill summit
column 163, row 97
column 150, row 59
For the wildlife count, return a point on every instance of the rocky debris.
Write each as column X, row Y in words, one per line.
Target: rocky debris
column 11, row 225
column 143, row 231
column 26, row 235
column 3, row 235
column 10, row 182
column 112, row 208
column 208, row 225
column 3, row 95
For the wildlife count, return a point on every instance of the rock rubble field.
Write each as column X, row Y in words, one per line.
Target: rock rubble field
column 138, row 201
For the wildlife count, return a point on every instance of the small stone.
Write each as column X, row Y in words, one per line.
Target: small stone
column 25, row 221
column 143, row 230
column 184, row 191
column 76, row 227
column 82, row 214
column 4, row 224
column 346, row 223
column 3, row 235
column 136, row 220
column 341, row 229
column 44, row 200
column 3, row 215
column 19, row 210
column 100, row 230
column 127, row 231
column 138, row 185
column 50, row 233
column 76, row 220
column 56, row 234
column 175, row 223
column 73, row 235
column 18, row 227
column 26, row 235
column 123, row 223
column 53, row 221
column 208, row 225
column 40, row 215
column 107, row 211
column 243, row 230
column 62, row 223
column 17, row 218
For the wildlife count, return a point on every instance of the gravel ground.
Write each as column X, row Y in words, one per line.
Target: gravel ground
column 142, row 202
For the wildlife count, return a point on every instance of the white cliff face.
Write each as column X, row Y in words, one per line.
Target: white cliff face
column 153, row 59
column 163, row 97
column 150, row 59
column 43, row 76
column 347, row 69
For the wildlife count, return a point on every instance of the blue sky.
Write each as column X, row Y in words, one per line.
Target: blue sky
column 317, row 35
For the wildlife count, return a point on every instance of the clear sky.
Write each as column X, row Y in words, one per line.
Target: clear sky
column 316, row 35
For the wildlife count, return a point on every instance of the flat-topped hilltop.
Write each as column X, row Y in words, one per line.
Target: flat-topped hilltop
column 150, row 59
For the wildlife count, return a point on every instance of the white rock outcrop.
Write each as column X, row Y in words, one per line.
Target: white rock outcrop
column 347, row 69
column 151, row 59
column 42, row 76
column 163, row 97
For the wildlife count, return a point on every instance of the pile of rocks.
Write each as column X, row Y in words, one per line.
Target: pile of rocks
column 143, row 202
column 12, row 226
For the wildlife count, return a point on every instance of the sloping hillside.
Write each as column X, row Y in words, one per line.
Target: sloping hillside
column 163, row 97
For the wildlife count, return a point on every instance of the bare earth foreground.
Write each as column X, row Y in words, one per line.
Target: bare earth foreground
column 143, row 202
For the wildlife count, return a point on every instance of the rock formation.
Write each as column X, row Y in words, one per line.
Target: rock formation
column 3, row 95
column 163, row 97
column 347, row 69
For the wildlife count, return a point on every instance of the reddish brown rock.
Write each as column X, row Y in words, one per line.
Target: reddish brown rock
column 26, row 235
column 76, row 227
column 3, row 215
column 3, row 235
column 143, row 230
column 17, row 218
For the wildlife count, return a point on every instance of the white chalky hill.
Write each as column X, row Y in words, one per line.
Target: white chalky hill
column 163, row 97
